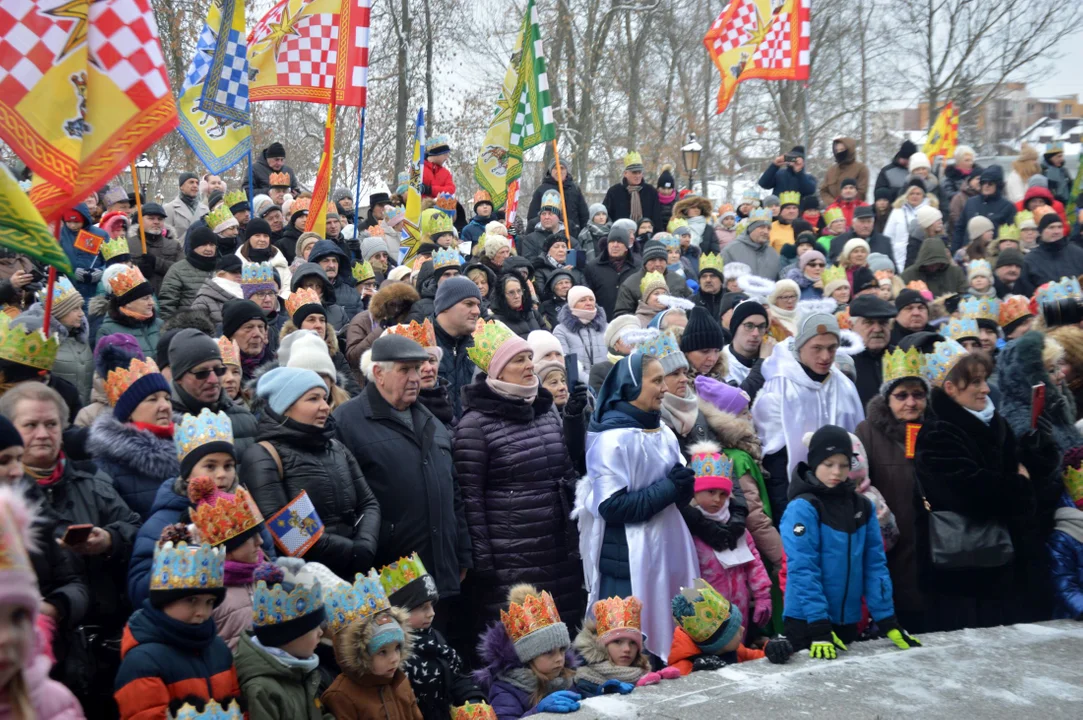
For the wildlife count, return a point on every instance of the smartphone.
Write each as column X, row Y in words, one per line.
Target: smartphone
column 572, row 259
column 571, row 369
column 77, row 534
column 1037, row 403
column 790, row 157
column 36, row 275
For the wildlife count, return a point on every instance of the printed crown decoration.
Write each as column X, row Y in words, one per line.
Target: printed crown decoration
column 301, row 204
column 711, row 261
column 123, row 283
column 437, row 223
column 833, row 273
column 900, row 364
column 832, row 214
column 980, row 266
column 26, row 347
column 711, row 465
column 1012, row 308
column 446, row 257
column 221, row 516
column 279, row 179
column 1073, row 483
column 657, row 345
column 675, row 224
column 273, row 605
column 393, row 212
column 615, row 614
column 115, row 248
column 980, row 308
column 186, row 566
column 760, row 215
column 750, row 197
column 488, row 337
column 790, row 197
column 1066, row 287
column 1008, row 232
column 62, row 290
column 550, row 200
column 959, row 329
column 363, row 272
column 234, row 198
column 198, row 430
column 473, row 711
column 346, row 603
column 446, row 202
column 211, row 711
column 437, row 143
column 632, row 158
column 375, row 231
column 422, row 333
column 300, row 298
column 120, row 379
column 945, row 355
column 700, row 611
column 667, row 239
column 1025, row 217
column 536, row 612
column 402, row 572
column 650, row 282
column 219, row 216
column 258, row 274
column 231, row 352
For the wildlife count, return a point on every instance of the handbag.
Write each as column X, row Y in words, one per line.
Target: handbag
column 957, row 542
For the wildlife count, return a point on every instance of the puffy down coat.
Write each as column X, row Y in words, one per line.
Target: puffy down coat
column 1066, row 560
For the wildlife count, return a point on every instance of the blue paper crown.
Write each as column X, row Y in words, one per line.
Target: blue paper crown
column 980, row 264
column 274, row 606
column 436, row 141
column 959, row 328
column 197, row 430
column 346, row 603
column 1066, row 287
column 447, row 257
column 187, row 567
column 258, row 274
column 550, row 199
column 211, row 711
column 660, row 346
column 61, row 288
column 667, row 239
column 712, row 465
column 980, row 308
column 750, row 196
column 760, row 215
column 941, row 360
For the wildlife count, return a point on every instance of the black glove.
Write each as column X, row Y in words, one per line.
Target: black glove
column 146, row 264
column 32, row 288
column 778, row 650
column 425, row 189
column 95, row 275
column 354, row 245
column 1038, row 450
column 682, row 476
column 708, row 662
column 577, row 400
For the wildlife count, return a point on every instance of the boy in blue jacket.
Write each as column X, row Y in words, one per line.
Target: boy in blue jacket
column 834, row 554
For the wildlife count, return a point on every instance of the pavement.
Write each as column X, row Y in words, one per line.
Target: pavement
column 1020, row 671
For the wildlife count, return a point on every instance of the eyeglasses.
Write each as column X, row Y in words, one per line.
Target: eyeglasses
column 815, row 264
column 752, row 327
column 903, row 396
column 202, row 375
column 786, row 298
column 513, row 293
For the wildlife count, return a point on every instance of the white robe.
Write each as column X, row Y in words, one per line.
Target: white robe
column 792, row 404
column 661, row 553
column 735, row 369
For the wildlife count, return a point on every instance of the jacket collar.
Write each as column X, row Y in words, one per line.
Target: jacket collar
column 376, row 408
column 479, row 396
column 443, row 339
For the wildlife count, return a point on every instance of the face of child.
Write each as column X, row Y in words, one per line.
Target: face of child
column 421, row 616
column 980, row 283
column 386, row 662
column 712, row 500
column 304, row 646
column 16, row 640
column 191, row 610
column 550, row 664
column 622, row 652
column 248, row 552
column 219, row 466
column 833, row 470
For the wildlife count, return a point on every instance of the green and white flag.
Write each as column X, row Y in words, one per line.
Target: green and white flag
column 524, row 115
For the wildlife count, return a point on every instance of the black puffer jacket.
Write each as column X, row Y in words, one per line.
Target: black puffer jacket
column 517, row 482
column 521, row 321
column 314, row 461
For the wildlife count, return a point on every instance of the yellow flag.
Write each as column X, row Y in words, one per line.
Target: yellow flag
column 317, row 215
column 22, row 228
column 944, row 135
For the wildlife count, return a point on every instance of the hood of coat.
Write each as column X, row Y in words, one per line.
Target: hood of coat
column 693, row 201
column 351, row 644
column 391, row 304
column 794, row 273
column 221, row 289
column 425, row 283
column 1038, row 192
column 127, row 446
column 497, row 651
column 479, row 396
column 259, row 664
column 1019, row 368
column 933, row 252
column 571, row 322
column 489, row 274
column 732, row 431
column 311, row 269
column 745, row 240
column 586, row 644
column 878, row 413
column 850, row 146
column 167, row 497
column 98, row 306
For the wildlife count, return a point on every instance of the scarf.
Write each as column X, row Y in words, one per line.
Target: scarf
column 199, row 262
column 511, row 391
column 239, row 574
column 1069, row 520
column 680, row 413
column 585, row 316
column 249, row 363
column 260, row 255
column 599, row 672
column 636, row 211
column 740, row 554
column 989, row 292
column 305, row 664
column 138, row 316
column 786, row 318
column 163, row 431
column 699, row 226
column 524, row 679
column 645, row 313
column 667, row 197
column 986, row 413
column 48, row 476
column 191, row 202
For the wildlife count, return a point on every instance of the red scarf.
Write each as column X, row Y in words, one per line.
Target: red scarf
column 53, row 477
column 163, row 431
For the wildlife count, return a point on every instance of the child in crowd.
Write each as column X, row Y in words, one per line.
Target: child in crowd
column 732, row 272
column 276, row 663
column 980, row 275
column 725, row 229
column 232, row 522
column 859, row 475
column 709, row 631
column 371, row 650
column 737, row 574
column 436, row 672
column 834, row 553
column 170, row 650
column 1066, row 542
column 529, row 662
column 611, row 646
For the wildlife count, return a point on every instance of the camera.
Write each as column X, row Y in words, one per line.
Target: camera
column 790, row 157
column 1068, row 311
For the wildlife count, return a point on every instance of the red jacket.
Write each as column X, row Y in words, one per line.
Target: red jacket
column 684, row 650
column 1044, row 194
column 438, row 179
column 847, row 207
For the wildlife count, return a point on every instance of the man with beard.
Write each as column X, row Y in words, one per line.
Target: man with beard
column 162, row 247
column 185, row 209
column 871, row 318
column 745, row 355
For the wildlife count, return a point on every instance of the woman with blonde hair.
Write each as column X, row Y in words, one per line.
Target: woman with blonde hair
column 1024, row 168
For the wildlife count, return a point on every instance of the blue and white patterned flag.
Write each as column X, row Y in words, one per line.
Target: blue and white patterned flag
column 296, row 527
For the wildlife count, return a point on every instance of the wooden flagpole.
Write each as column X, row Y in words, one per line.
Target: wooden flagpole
column 560, row 186
column 139, row 206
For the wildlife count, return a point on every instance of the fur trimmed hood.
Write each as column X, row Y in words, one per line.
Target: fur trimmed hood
column 497, row 651
column 571, row 322
column 351, row 644
column 732, row 431
column 587, row 645
column 98, row 306
column 391, row 304
column 680, row 209
column 879, row 416
column 127, row 446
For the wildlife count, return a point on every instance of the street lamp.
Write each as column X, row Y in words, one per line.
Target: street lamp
column 143, row 167
column 690, row 155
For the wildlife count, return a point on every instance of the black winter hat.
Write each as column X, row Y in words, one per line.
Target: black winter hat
column 666, row 180
column 239, row 206
column 229, row 263
column 863, row 280
column 883, row 193
column 257, row 226
column 865, row 211
column 801, row 225
column 702, row 332
column 185, row 177
column 274, row 150
column 201, row 236
column 236, row 313
column 9, row 436
column 827, row 441
column 907, row 149
column 743, row 311
column 1010, row 256
column 908, row 296
column 1047, row 220
column 810, row 202
column 153, row 209
column 653, row 249
column 848, row 182
column 214, row 198
column 798, row 150
column 915, row 182
column 552, row 240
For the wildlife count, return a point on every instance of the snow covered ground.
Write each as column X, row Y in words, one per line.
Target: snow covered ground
column 1022, row 671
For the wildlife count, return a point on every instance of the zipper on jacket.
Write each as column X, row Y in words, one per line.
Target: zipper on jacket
column 383, row 703
column 846, row 587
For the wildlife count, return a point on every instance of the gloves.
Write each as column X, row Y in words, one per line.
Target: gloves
column 682, row 476
column 762, row 614
column 616, row 686
column 902, row 639
column 577, row 400
column 95, row 275
column 778, row 650
column 82, row 275
column 669, row 673
column 651, row 678
column 708, row 662
column 824, row 650
column 562, row 701
column 354, row 245
column 1038, row 451
column 146, row 263
column 425, row 189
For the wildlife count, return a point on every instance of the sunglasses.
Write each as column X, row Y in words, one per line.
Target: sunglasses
column 202, row 375
column 903, row 396
column 816, row 264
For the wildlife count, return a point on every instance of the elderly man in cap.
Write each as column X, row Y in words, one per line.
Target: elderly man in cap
column 911, row 315
column 405, row 455
column 750, row 345
column 186, row 208
column 456, row 309
column 549, row 222
column 803, row 391
column 872, row 319
column 1008, row 276
column 196, row 365
column 655, row 259
column 163, row 249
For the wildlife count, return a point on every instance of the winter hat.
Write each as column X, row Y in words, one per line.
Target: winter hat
column 827, row 441
column 230, row 263
column 214, row 198
column 453, row 291
column 372, row 245
column 702, row 332
column 120, row 342
column 408, row 584
column 808, row 256
column 577, row 293
column 665, row 179
column 282, row 387
column 1009, row 256
column 879, row 261
column 543, row 368
column 223, row 518
column 810, row 202
column 851, row 245
column 978, row 226
column 722, row 395
column 815, row 323
column 927, row 215
column 287, row 602
column 494, row 347
column 653, row 250
column 617, row 328
column 183, row 567
column 307, row 351
column 543, row 342
column 863, row 280
column 743, row 310
column 257, row 226
column 18, row 580
column 1048, row 219
column 713, row 470
column 622, row 230
column 909, row 296
column 1038, row 180
column 237, row 312
column 596, row 208
column 128, row 380
column 189, row 348
column 919, row 160
column 771, row 201
column 735, row 270
column 533, row 623
column 783, row 286
column 494, row 244
column 9, row 436
column 977, row 268
column 708, row 618
column 652, row 281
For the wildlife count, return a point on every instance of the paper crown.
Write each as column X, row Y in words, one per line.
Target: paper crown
column 219, row 216
column 760, row 215
column 393, row 212
column 920, row 286
column 186, row 566
column 62, row 290
column 1073, row 483
column 725, row 209
column 488, row 337
column 197, row 430
column 711, row 465
column 900, row 365
column 221, row 516
column 832, row 214
column 231, row 352
column 212, row 710
column 884, row 274
column 980, row 308
column 446, row 257
column 402, row 183
column 550, row 200
column 615, row 614
column 347, row 603
column 675, row 224
column 790, row 197
column 473, row 711
column 536, row 612
column 26, row 347
column 302, row 297
column 831, row 274
column 362, row 272
column 700, row 611
column 751, row 196
column 1008, row 232
column 115, row 248
column 960, row 328
column 650, row 282
column 437, row 142
column 279, row 179
column 423, row 334
column 980, row 266
column 375, row 231
column 118, row 380
column 1024, row 220
column 945, row 355
column 1012, row 308
column 123, row 283
column 300, row 205
column 1066, row 287
column 446, row 202
column 632, row 158
column 437, row 222
column 273, row 605
column 711, row 261
column 402, row 572
column 235, row 197
column 667, row 239
column 483, row 196
column 258, row 274
column 657, row 344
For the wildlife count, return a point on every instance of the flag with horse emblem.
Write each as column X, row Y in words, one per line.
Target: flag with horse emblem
column 296, row 527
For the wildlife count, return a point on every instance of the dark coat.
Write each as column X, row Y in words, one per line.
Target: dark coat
column 604, row 279
column 782, row 179
column 63, row 583
column 410, row 471
column 995, row 207
column 953, row 181
column 530, row 245
column 618, row 201
column 628, row 296
column 870, row 375
column 243, row 421
column 315, row 462
column 1066, row 563
column 137, row 460
column 261, row 177
column 346, row 295
column 878, row 243
column 578, row 212
column 1050, row 261
column 438, row 676
column 455, row 366
column 517, row 484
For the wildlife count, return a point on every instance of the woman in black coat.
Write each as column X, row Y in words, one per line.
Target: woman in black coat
column 297, row 451
column 512, row 305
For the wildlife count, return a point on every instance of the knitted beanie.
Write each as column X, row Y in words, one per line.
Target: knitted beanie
column 622, row 231
column 9, row 436
column 827, row 441
column 189, row 348
column 372, row 245
column 979, row 225
column 282, row 387
column 927, row 215
column 617, row 328
column 808, row 256
column 543, row 342
column 817, row 323
column 453, row 291
column 744, row 310
column 879, row 261
column 236, row 313
column 307, row 351
column 122, row 342
column 702, row 332
column 577, row 293
column 512, row 346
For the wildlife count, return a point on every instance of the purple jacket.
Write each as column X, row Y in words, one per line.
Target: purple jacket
column 498, row 653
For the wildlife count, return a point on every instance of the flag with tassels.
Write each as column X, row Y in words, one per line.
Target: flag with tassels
column 317, row 215
column 944, row 135
column 23, row 230
column 215, row 116
column 411, row 227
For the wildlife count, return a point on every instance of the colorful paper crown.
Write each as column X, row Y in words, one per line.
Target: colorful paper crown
column 1073, row 483
column 231, row 352
column 211, row 711
column 393, row 212
column 760, row 215
column 700, row 611
column 1008, row 232
column 711, row 261
column 301, row 297
column 980, row 308
column 446, row 202
column 279, row 179
column 832, row 214
column 750, row 196
column 375, row 231
column 115, row 248
column 833, row 273
column 423, row 334
column 118, row 380
column 198, row 430
column 667, row 239
column 436, row 222
column 123, row 283
column 1024, row 218
column 884, row 274
column 437, row 142
column 483, row 196
column 980, row 266
column 347, row 603
column 550, row 200
column 273, row 605
column 945, row 355
column 790, row 197
column 26, row 347
column 650, row 282
column 959, row 329
column 402, row 183
column 1066, row 287
column 1012, row 308
column 616, row 616
column 300, row 204
column 235, row 197
column 221, row 516
column 900, row 365
column 632, row 158
column 260, row 274
column 184, row 566
column 219, row 216
column 363, row 272
column 675, row 224
column 488, row 337
column 473, row 711
column 536, row 612
column 711, row 464
column 656, row 344
column 62, row 290
column 402, row 572
column 446, row 257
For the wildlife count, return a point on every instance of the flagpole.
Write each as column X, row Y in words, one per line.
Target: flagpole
column 139, row 207
column 251, row 188
column 49, row 288
column 357, row 192
column 560, row 186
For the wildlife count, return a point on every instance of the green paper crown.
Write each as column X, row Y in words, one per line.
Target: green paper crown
column 219, row 215
column 402, row 572
column 832, row 214
column 363, row 271
column 901, row 364
column 1008, row 232
column 790, row 197
column 488, row 337
column 26, row 347
column 235, row 197
column 632, row 158
column 833, row 273
column 436, row 221
column 702, row 611
column 116, row 247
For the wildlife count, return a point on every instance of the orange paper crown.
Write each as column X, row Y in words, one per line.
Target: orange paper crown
column 423, row 333
column 537, row 612
column 123, row 283
column 279, row 179
column 221, row 516
column 300, row 298
column 231, row 353
column 300, row 204
column 473, row 711
column 120, row 379
column 618, row 618
column 1013, row 308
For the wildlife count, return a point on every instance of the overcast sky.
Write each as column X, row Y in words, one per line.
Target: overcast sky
column 1064, row 78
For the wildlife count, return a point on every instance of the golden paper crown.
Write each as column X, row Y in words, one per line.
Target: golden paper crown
column 632, row 158
column 790, row 197
column 650, row 282
column 959, row 329
column 26, row 347
column 402, row 572
column 423, row 334
column 1008, row 232
column 123, row 283
column 1073, row 483
column 235, row 197
column 300, row 298
column 221, row 516
column 212, row 710
column 231, row 352
column 300, row 204
column 347, row 603
column 1025, row 217
column 700, row 611
column 273, row 605
column 120, row 379
column 832, row 214
column 615, row 615
column 115, row 248
column 488, row 337
column 711, row 261
column 900, row 365
column 363, row 272
column 1013, row 308
column 198, row 430
column 535, row 613
column 187, row 567
column 945, row 355
column 831, row 274
column 279, row 179
column 473, row 711
column 219, row 215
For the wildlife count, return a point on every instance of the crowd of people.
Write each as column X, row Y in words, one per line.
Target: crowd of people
column 250, row 469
